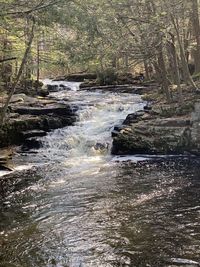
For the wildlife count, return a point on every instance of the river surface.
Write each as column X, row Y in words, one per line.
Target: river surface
column 78, row 206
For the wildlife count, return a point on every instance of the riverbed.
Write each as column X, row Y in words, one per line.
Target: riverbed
column 76, row 205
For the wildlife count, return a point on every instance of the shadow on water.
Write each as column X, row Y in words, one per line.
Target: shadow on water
column 159, row 219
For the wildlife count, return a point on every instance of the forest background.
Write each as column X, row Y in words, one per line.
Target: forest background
column 47, row 38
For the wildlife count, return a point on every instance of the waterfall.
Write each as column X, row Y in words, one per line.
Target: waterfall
column 89, row 140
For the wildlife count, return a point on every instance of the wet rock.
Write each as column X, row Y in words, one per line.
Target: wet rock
column 64, row 87
column 119, row 127
column 33, row 117
column 43, row 92
column 134, row 117
column 153, row 135
column 147, row 108
column 77, row 77
column 13, row 131
column 52, row 88
column 5, row 157
column 125, row 88
column 33, row 133
column 114, row 133
column 57, row 109
column 80, row 77
column 31, row 143
column 148, row 132
column 101, row 146
column 89, row 84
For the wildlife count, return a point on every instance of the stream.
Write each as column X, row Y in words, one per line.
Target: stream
column 76, row 205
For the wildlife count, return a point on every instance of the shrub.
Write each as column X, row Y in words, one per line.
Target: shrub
column 107, row 77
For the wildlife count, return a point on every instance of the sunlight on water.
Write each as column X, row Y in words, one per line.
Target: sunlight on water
column 79, row 206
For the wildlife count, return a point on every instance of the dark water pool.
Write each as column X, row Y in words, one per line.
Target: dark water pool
column 123, row 215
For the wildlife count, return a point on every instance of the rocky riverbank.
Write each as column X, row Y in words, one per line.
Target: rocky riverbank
column 30, row 117
column 160, row 129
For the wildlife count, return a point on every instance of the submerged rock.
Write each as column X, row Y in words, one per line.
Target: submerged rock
column 31, row 143
column 33, row 133
column 101, row 146
column 52, row 88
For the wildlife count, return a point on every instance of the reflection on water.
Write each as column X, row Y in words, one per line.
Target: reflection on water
column 121, row 216
column 77, row 208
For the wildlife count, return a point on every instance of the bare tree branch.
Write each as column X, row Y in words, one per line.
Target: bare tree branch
column 38, row 7
column 7, row 59
column 28, row 48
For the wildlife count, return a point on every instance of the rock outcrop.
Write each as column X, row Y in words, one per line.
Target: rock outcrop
column 126, row 88
column 146, row 132
column 5, row 158
column 77, row 77
column 32, row 117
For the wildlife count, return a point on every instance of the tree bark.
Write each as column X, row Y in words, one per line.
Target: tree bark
column 172, row 49
column 146, row 67
column 163, row 72
column 196, row 29
column 186, row 71
column 38, row 63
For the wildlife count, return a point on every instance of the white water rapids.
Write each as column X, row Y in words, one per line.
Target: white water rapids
column 85, row 145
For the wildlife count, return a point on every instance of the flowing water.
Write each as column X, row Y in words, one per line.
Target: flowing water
column 81, row 207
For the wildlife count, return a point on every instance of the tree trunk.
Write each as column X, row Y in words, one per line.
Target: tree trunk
column 188, row 77
column 172, row 49
column 38, row 64
column 163, row 73
column 23, row 63
column 126, row 61
column 196, row 29
column 146, row 67
column 29, row 61
column 171, row 62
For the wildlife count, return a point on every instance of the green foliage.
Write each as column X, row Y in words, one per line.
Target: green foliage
column 107, row 77
column 92, row 35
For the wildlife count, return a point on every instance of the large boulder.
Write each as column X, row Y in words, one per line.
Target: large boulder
column 143, row 134
column 16, row 130
column 33, row 117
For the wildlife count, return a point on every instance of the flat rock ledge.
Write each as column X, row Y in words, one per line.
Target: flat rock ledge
column 32, row 117
column 145, row 132
column 125, row 88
